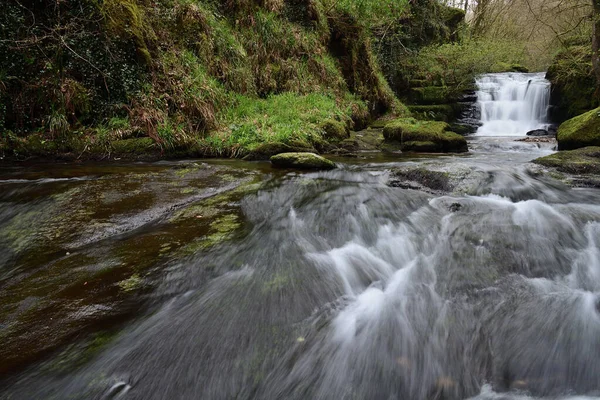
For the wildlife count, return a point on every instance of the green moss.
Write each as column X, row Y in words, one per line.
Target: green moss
column 222, row 229
column 134, row 146
column 430, row 95
column 581, row 131
column 302, row 160
column 334, row 130
column 130, row 284
column 426, row 136
column 581, row 161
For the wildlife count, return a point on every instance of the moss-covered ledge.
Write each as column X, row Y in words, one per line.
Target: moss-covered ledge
column 580, row 161
column 424, row 136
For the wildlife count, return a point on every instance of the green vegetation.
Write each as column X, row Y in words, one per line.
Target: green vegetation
column 296, row 120
column 194, row 76
column 424, row 136
column 581, row 131
column 573, row 82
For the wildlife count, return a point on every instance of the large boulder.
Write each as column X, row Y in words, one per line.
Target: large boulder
column 581, row 131
column 302, row 161
column 424, row 136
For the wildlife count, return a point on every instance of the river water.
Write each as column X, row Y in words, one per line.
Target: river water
column 480, row 282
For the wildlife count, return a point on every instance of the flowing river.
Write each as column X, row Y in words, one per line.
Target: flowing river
column 230, row 279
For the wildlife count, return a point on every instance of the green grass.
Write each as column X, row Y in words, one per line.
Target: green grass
column 286, row 118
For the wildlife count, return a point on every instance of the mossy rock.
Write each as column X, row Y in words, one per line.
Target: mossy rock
column 581, row 131
column 424, row 136
column 134, row 146
column 266, row 150
column 580, row 161
column 334, row 130
column 434, row 112
column 302, row 161
column 430, row 95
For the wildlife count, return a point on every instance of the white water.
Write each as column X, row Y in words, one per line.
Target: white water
column 512, row 104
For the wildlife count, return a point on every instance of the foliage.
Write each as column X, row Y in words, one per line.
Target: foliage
column 370, row 13
column 221, row 76
column 455, row 65
column 286, row 118
column 573, row 82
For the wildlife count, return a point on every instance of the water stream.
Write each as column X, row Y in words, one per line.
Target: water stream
column 511, row 104
column 332, row 285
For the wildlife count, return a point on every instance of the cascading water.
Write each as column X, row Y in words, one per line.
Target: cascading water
column 511, row 104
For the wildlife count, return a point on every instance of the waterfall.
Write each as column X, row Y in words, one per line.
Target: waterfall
column 511, row 104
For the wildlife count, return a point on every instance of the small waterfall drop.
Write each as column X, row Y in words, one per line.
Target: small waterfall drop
column 511, row 104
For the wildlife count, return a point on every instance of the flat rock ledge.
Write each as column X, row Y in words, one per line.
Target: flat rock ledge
column 302, row 161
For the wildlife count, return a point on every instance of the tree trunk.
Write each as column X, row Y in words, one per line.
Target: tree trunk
column 596, row 42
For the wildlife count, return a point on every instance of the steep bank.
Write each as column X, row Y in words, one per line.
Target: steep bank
column 134, row 78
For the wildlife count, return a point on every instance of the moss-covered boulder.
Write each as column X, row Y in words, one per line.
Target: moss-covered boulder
column 580, row 161
column 424, row 136
column 581, row 131
column 266, row 150
column 302, row 161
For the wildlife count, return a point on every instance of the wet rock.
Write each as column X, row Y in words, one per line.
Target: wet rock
column 302, row 161
column 421, row 179
column 455, row 207
column 538, row 132
column 537, row 139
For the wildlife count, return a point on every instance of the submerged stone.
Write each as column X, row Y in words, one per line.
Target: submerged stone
column 302, row 160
